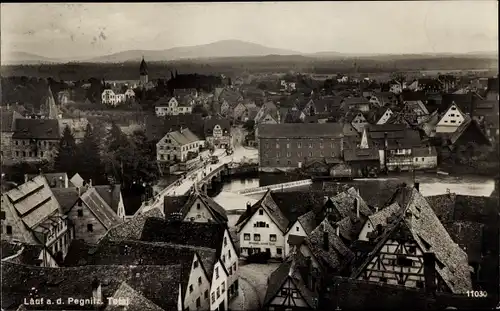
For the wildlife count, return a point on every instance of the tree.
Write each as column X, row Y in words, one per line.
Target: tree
column 116, row 139
column 249, row 125
column 89, row 160
column 66, row 153
column 262, row 86
column 200, row 109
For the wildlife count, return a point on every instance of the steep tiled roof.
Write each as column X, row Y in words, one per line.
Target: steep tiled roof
column 337, row 254
column 144, row 253
column 137, row 301
column 33, row 201
column 358, row 154
column 308, row 221
column 110, row 194
column 469, row 236
column 100, row 208
column 267, row 203
column 182, row 204
column 418, row 218
column 184, row 136
column 132, row 229
column 381, row 217
column 7, row 121
column 66, row 197
column 28, row 255
column 303, row 130
column 346, row 203
column 208, row 235
column 9, row 249
column 414, row 96
column 159, row 284
column 36, row 129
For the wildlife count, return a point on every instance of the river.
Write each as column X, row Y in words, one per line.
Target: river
column 429, row 185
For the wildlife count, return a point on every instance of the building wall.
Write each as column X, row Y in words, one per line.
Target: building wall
column 19, row 231
column 198, row 288
column 359, row 122
column 229, row 258
column 403, row 161
column 219, row 285
column 32, row 151
column 199, row 213
column 296, row 229
column 287, row 153
column 170, row 149
column 6, row 145
column 390, row 270
column 387, row 115
column 426, row 162
column 265, row 233
column 450, row 121
column 288, row 296
column 59, row 238
column 81, row 222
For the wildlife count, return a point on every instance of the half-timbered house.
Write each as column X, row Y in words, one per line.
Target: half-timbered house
column 415, row 246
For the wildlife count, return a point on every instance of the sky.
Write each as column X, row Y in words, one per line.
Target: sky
column 59, row 30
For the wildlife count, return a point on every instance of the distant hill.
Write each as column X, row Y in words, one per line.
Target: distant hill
column 25, row 58
column 219, row 49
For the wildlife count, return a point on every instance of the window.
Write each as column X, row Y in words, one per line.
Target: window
column 224, row 258
column 277, row 146
column 310, row 145
column 246, row 236
column 206, row 294
column 9, row 230
column 191, row 288
column 321, row 144
column 278, row 154
column 2, row 215
column 218, row 292
column 256, row 237
column 422, row 159
column 198, row 302
column 195, row 264
column 199, row 280
column 299, row 145
column 230, row 270
column 272, row 237
column 288, row 154
column 404, row 262
column 198, row 206
column 79, row 202
column 234, row 267
column 284, row 292
column 90, row 228
column 229, row 254
column 223, row 287
column 261, row 212
column 288, row 145
column 213, row 297
column 310, row 154
column 80, row 213
column 297, row 229
column 278, row 251
column 416, row 159
column 225, row 241
column 299, row 154
column 216, row 273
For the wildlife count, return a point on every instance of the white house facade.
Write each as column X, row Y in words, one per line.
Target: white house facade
column 450, row 120
column 176, row 145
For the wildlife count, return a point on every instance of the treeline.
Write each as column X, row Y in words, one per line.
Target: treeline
column 206, row 83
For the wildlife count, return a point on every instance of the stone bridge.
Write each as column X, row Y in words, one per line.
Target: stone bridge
column 286, row 185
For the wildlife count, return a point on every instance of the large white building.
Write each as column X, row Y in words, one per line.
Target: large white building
column 176, row 145
column 450, row 120
column 171, row 107
column 113, row 98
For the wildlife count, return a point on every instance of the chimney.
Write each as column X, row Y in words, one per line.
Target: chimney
column 430, row 149
column 326, row 242
column 96, row 291
column 78, row 189
column 357, row 207
column 376, row 209
column 430, row 272
column 342, row 146
column 249, row 206
column 386, row 144
column 337, row 230
column 90, row 183
column 26, row 178
column 417, row 186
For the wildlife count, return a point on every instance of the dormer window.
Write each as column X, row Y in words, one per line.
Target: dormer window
column 261, row 212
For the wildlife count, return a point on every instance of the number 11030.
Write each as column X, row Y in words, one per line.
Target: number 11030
column 477, row 294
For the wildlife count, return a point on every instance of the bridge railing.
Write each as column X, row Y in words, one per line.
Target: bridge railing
column 276, row 186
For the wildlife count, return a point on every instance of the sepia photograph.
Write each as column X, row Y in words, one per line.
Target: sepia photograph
column 260, row 156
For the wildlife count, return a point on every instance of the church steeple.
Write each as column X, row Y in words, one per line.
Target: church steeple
column 49, row 108
column 143, row 72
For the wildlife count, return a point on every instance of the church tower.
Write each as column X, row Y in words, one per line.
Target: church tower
column 143, row 72
column 48, row 108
